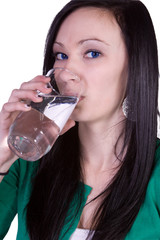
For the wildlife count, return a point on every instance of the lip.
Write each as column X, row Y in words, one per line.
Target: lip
column 81, row 99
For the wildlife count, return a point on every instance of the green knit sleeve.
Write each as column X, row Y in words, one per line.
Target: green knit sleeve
column 8, row 198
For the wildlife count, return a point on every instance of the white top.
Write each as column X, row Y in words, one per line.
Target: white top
column 81, row 234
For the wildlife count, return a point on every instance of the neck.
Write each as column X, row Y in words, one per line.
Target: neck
column 98, row 144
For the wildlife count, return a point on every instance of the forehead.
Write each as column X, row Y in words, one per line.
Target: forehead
column 89, row 22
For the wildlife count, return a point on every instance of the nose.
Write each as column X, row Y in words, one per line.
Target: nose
column 65, row 75
column 68, row 83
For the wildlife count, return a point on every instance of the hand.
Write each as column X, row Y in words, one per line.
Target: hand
column 16, row 103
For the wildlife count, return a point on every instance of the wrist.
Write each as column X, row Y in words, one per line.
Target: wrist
column 4, row 173
column 5, row 166
column 4, row 170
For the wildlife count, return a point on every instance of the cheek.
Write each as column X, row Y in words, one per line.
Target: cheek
column 116, row 79
column 104, row 93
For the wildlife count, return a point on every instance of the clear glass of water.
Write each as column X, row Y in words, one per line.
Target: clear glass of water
column 33, row 133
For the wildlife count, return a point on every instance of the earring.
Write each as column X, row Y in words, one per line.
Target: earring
column 127, row 110
column 125, row 107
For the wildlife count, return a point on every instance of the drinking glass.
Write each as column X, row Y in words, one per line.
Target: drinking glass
column 33, row 133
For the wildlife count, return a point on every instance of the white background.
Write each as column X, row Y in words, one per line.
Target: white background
column 23, row 29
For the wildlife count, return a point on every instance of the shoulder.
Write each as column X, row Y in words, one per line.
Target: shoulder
column 153, row 189
column 156, row 168
column 157, row 153
column 154, row 183
column 147, row 222
column 27, row 170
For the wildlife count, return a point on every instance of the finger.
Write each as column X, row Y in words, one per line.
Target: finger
column 9, row 108
column 39, row 82
column 70, row 123
column 18, row 94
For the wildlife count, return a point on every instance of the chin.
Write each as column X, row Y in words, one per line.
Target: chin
column 76, row 116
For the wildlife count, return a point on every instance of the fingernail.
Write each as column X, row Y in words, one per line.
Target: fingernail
column 38, row 95
column 48, row 85
column 27, row 105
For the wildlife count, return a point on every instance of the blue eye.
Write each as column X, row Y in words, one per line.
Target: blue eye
column 93, row 54
column 61, row 56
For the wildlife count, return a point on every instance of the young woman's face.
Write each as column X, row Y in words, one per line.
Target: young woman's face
column 90, row 44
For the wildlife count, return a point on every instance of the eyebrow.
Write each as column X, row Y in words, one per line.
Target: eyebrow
column 59, row 43
column 83, row 41
column 93, row 39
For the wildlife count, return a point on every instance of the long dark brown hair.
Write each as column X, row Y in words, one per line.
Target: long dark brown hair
column 59, row 172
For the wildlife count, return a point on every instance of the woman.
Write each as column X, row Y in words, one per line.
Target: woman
column 101, row 178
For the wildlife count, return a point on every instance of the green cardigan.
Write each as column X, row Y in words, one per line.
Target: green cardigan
column 15, row 190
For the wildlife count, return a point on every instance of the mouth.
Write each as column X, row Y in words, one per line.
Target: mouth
column 81, row 99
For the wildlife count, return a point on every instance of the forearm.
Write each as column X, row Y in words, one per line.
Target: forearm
column 5, row 165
